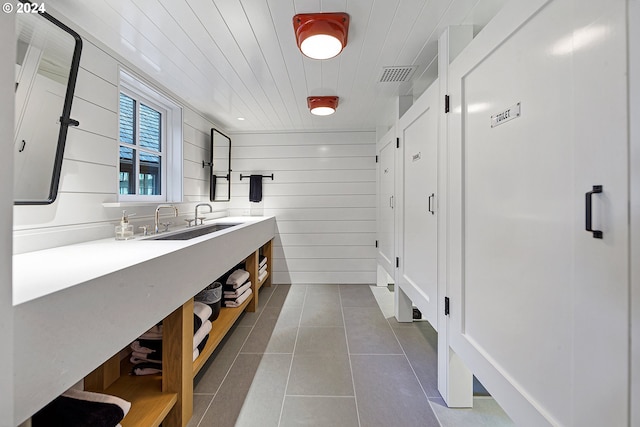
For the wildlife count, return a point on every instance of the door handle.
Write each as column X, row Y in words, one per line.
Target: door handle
column 597, row 189
column 391, row 202
column 431, row 199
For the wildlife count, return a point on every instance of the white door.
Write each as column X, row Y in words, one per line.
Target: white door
column 418, row 219
column 386, row 216
column 539, row 306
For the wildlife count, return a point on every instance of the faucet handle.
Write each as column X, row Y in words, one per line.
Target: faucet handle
column 201, row 219
column 145, row 230
column 189, row 221
column 166, row 225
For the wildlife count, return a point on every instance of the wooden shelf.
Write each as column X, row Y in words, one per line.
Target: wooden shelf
column 149, row 405
column 224, row 322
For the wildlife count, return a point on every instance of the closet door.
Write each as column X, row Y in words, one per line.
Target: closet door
column 539, row 305
column 418, row 218
column 386, row 195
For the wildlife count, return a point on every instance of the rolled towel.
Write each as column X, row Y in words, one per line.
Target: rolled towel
column 236, row 293
column 137, row 360
column 262, row 276
column 137, row 348
column 201, row 333
column 238, row 301
column 238, row 277
column 202, row 310
column 77, row 408
column 262, row 269
column 263, row 260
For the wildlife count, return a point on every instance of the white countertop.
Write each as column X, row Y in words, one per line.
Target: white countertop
column 39, row 273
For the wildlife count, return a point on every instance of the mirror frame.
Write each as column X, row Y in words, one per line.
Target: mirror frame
column 212, row 183
column 65, row 118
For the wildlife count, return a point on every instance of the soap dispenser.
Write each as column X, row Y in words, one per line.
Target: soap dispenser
column 124, row 231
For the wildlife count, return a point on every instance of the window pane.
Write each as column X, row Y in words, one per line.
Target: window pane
column 127, row 170
column 127, row 119
column 149, row 128
column 149, row 174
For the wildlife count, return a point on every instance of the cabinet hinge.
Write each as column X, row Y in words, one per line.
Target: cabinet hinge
column 376, row 243
column 397, row 142
column 397, row 262
column 446, row 103
column 446, row 306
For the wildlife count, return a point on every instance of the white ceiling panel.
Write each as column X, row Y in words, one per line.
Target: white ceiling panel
column 239, row 58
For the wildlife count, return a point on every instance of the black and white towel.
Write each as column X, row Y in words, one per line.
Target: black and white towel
column 77, row 408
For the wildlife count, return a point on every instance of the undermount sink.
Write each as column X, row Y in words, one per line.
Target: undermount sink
column 190, row 233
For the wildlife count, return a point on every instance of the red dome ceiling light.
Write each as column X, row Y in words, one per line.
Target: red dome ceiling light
column 321, row 35
column 322, row 105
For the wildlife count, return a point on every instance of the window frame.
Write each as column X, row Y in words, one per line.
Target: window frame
column 171, row 140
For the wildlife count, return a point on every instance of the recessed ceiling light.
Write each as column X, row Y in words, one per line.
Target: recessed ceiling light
column 240, row 118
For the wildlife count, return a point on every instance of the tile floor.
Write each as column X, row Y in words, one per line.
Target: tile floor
column 321, row 355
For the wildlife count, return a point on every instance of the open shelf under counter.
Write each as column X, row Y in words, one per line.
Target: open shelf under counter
column 220, row 327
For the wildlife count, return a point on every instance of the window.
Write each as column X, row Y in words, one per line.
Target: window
column 150, row 149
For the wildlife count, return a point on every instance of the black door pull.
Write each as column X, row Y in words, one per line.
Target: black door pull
column 431, row 209
column 597, row 189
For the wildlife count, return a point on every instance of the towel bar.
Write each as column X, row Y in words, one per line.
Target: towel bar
column 248, row 176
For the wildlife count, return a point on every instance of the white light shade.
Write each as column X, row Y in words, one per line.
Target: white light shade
column 321, row 46
column 322, row 111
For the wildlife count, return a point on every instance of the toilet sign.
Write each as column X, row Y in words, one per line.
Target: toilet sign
column 506, row 115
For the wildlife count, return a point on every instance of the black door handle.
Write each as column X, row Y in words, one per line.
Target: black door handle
column 597, row 234
column 431, row 197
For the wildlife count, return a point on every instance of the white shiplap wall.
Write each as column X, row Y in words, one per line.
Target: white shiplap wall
column 323, row 197
column 89, row 172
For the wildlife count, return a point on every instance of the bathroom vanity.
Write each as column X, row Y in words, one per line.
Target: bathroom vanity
column 78, row 306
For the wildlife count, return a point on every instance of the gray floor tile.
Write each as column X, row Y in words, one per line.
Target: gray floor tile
column 421, row 347
column 210, row 377
column 388, row 393
column 321, row 315
column 322, row 295
column 282, row 340
column 357, row 296
column 296, row 295
column 486, row 412
column 262, row 406
column 279, row 294
column 319, row 411
column 368, row 332
column 228, row 401
column 321, row 340
column 200, row 405
column 320, row 375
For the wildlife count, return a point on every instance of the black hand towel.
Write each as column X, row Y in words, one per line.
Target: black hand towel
column 212, row 188
column 255, row 188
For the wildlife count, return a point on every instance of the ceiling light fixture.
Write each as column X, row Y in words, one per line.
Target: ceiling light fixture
column 322, row 105
column 321, row 35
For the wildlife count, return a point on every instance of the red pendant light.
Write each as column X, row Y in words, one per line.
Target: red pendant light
column 322, row 105
column 321, row 35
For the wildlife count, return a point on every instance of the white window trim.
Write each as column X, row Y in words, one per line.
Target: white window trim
column 172, row 165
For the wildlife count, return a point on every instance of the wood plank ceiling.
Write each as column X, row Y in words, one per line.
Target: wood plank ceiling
column 238, row 58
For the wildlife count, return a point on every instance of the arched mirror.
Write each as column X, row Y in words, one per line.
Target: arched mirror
column 47, row 61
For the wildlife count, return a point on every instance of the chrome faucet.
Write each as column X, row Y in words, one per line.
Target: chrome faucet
column 158, row 213
column 196, row 212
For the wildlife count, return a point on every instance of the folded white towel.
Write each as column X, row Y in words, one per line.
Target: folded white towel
column 201, row 333
column 202, row 310
column 239, row 291
column 263, row 261
column 238, row 277
column 238, row 302
column 154, row 333
column 262, row 276
column 98, row 397
column 263, row 268
column 136, row 347
column 196, row 353
column 136, row 360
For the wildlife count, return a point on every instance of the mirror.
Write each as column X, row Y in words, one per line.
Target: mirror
column 47, row 61
column 220, row 163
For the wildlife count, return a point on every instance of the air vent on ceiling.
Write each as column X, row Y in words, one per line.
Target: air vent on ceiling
column 397, row 74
